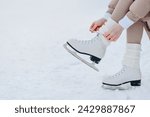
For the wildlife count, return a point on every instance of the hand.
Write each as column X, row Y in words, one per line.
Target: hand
column 97, row 24
column 114, row 32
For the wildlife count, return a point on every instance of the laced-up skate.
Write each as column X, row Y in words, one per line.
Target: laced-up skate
column 130, row 74
column 94, row 48
column 124, row 79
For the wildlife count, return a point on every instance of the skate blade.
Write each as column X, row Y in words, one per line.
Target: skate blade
column 91, row 65
column 126, row 86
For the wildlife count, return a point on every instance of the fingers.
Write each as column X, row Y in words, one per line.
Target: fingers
column 97, row 24
column 114, row 38
column 94, row 27
column 113, row 33
column 98, row 27
column 106, row 34
column 111, row 36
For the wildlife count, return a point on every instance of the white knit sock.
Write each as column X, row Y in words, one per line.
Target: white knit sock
column 132, row 55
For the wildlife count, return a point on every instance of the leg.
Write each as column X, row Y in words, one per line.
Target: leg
column 130, row 74
column 147, row 31
column 135, row 33
column 134, row 36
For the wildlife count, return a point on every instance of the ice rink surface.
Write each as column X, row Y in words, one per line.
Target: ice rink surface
column 34, row 64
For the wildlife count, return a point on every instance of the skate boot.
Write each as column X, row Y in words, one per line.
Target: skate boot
column 95, row 48
column 130, row 74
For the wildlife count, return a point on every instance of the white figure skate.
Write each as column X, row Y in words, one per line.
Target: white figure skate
column 95, row 48
column 124, row 79
column 130, row 74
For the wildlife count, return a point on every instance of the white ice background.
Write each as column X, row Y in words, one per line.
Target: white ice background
column 34, row 64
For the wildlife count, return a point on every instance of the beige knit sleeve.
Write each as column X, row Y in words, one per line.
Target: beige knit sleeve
column 112, row 6
column 139, row 9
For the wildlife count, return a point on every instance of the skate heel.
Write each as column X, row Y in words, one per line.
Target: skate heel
column 136, row 83
column 95, row 59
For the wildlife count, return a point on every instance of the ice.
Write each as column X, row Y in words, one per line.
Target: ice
column 34, row 64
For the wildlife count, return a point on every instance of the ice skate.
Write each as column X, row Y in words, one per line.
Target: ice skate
column 74, row 53
column 124, row 79
column 94, row 48
column 130, row 74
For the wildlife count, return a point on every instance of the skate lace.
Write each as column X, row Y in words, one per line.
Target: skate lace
column 89, row 41
column 120, row 72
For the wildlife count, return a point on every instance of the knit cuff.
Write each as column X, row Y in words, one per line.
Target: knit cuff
column 126, row 22
column 107, row 15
